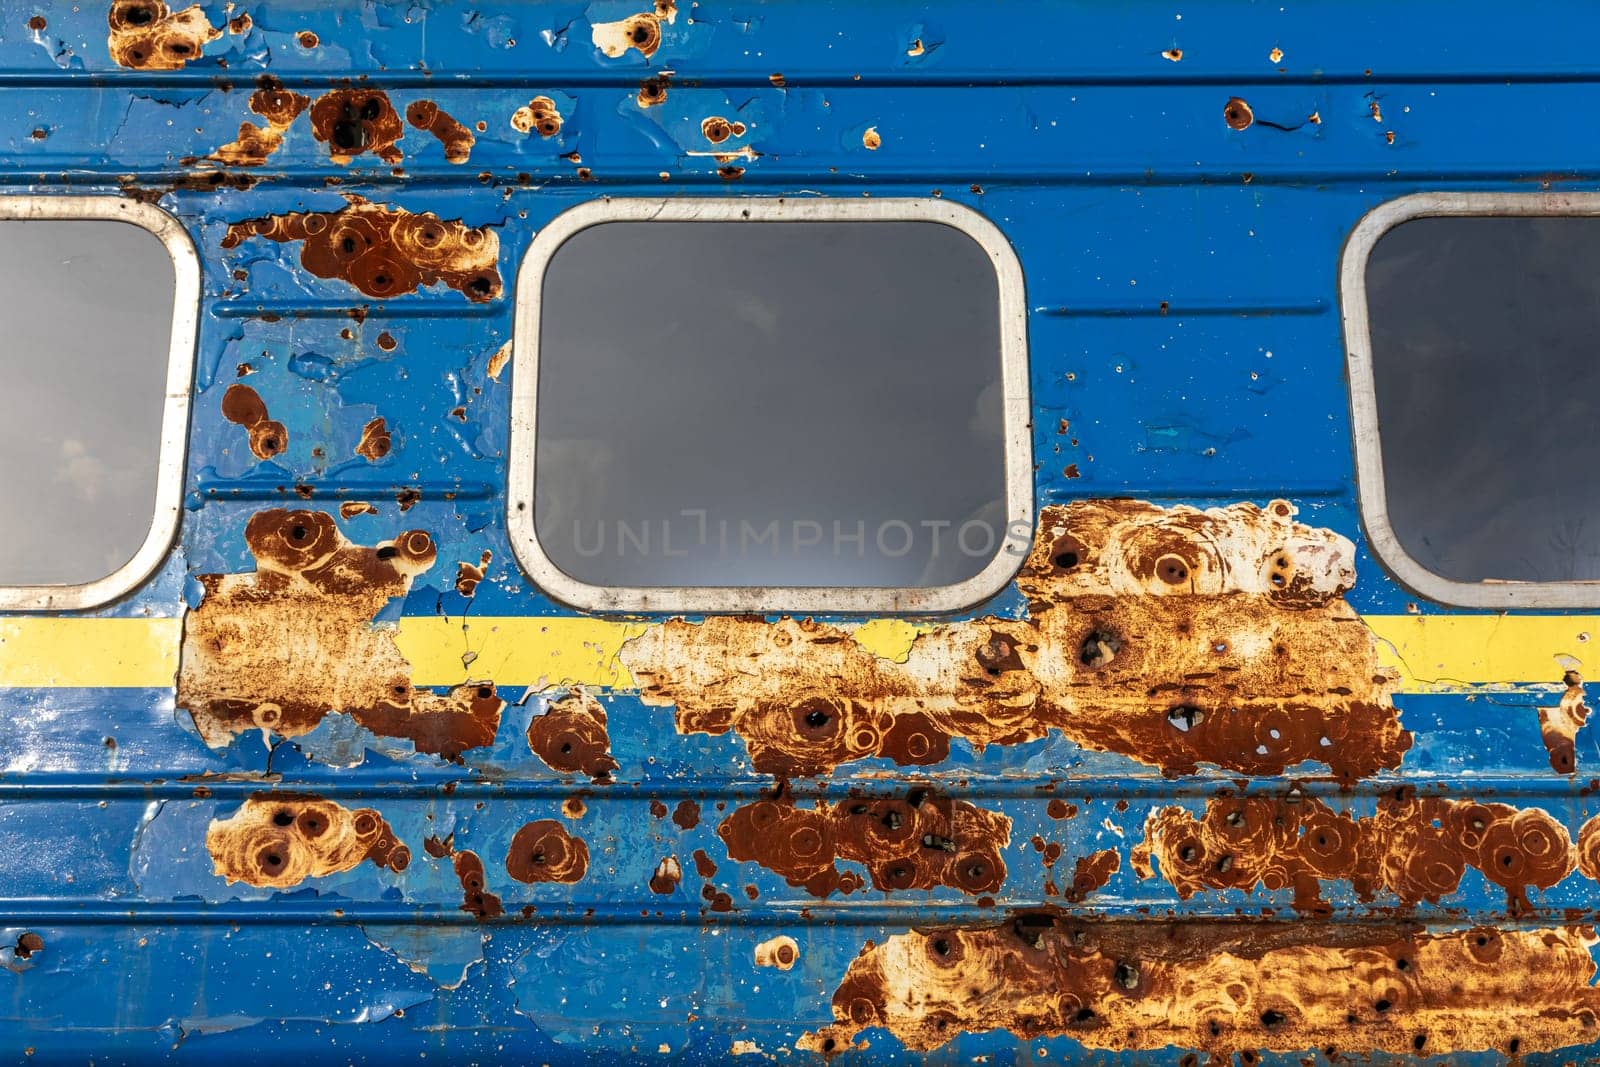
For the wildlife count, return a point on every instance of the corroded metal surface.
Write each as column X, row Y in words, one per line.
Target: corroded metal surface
column 339, row 783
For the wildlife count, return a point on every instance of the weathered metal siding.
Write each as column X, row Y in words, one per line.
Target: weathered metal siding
column 529, row 835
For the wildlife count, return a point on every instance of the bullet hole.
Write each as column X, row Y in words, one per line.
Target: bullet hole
column 1237, row 114
column 1172, row 569
column 941, row 946
column 138, row 14
column 1381, row 1006
column 387, row 552
column 816, row 718
column 1067, row 553
column 1084, row 1015
column 1099, row 648
column 1185, row 716
column 1225, row 864
column 1402, row 964
column 27, row 945
column 730, row 173
column 1419, row 1042
column 283, row 817
column 1272, row 1018
column 1127, row 976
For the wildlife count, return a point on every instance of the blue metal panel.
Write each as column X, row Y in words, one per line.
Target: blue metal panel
column 1185, row 348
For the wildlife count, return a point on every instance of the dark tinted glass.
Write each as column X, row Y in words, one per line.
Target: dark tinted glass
column 85, row 338
column 755, row 403
column 1486, row 354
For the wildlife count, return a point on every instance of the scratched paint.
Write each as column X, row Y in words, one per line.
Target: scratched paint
column 1177, row 191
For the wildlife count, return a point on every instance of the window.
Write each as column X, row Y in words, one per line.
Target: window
column 97, row 345
column 1470, row 321
column 765, row 405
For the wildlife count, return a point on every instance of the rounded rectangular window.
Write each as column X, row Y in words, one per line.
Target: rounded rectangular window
column 764, row 405
column 101, row 301
column 1470, row 322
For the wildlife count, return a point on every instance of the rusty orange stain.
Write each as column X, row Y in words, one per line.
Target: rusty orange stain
column 281, row 648
column 1224, row 988
column 1176, row 637
column 468, row 575
column 278, row 840
column 279, row 107
column 538, row 114
column 243, row 406
column 1416, row 848
column 148, row 35
column 455, row 137
column 543, row 851
column 1559, row 726
column 374, row 443
column 384, row 252
column 925, row 840
column 353, row 121
column 571, row 737
column 641, row 32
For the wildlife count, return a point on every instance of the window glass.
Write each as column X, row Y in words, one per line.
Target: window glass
column 85, row 341
column 738, row 404
column 1486, row 368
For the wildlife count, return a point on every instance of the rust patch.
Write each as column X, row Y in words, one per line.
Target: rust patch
column 240, row 23
column 385, row 252
column 653, row 91
column 148, row 35
column 668, row 874
column 353, row 121
column 243, row 406
column 447, row 726
column 456, row 138
column 475, row 895
column 1416, row 848
column 924, row 840
column 574, row 808
column 282, row 647
column 1091, row 873
column 1559, row 726
column 717, row 129
column 279, row 107
column 538, row 114
column 870, row 139
column 307, row 39
column 37, row 24
column 1174, row 636
column 641, row 32
column 28, row 942
column 375, row 441
column 686, row 816
column 468, row 575
column 386, row 341
column 408, row 498
column 543, row 851
column 781, row 952
column 1237, row 114
column 351, row 508
column 571, row 737
column 278, row 840
column 1223, row 988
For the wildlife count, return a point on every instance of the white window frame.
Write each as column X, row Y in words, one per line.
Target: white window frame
column 175, row 412
column 1364, row 398
column 1017, row 421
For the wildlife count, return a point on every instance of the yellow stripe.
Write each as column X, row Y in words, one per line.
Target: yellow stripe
column 516, row 651
column 1430, row 652
column 47, row 652
column 1435, row 652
